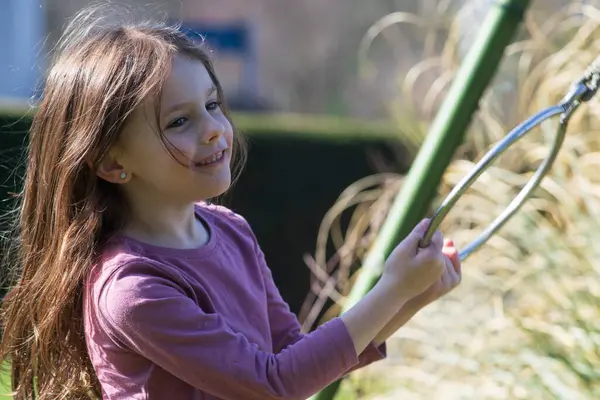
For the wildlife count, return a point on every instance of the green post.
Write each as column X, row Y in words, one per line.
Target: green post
column 446, row 134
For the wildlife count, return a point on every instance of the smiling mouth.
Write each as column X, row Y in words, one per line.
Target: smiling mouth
column 215, row 158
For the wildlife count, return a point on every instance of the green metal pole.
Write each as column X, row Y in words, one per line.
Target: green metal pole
column 446, row 134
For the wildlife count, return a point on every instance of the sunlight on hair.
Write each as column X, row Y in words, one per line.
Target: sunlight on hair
column 110, row 59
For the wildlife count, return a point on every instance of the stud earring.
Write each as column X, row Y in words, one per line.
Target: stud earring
column 123, row 175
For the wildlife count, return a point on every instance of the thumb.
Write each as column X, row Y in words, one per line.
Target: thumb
column 415, row 236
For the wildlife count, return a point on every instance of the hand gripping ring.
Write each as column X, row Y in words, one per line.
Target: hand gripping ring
column 580, row 92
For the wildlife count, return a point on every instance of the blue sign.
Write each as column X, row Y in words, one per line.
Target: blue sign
column 226, row 38
column 234, row 38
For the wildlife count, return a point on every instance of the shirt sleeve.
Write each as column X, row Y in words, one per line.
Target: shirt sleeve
column 144, row 309
column 286, row 329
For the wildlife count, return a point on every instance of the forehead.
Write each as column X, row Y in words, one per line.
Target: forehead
column 188, row 80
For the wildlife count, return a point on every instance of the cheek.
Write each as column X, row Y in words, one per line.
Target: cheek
column 181, row 147
column 229, row 138
column 228, row 130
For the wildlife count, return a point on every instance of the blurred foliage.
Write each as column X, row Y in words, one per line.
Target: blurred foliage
column 524, row 322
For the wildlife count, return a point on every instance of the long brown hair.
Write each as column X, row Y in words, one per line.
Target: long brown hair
column 101, row 73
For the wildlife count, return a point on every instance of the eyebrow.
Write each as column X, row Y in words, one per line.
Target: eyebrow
column 184, row 104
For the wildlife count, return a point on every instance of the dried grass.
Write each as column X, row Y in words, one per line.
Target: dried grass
column 525, row 323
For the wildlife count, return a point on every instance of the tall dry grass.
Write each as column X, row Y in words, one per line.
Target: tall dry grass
column 525, row 322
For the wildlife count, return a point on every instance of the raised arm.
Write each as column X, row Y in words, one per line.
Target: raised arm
column 151, row 315
column 286, row 329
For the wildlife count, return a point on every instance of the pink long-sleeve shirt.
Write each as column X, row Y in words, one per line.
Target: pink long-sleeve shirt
column 205, row 323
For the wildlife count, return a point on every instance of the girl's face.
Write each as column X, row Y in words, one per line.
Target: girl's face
column 193, row 123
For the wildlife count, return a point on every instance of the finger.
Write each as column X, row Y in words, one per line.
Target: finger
column 454, row 275
column 448, row 243
column 453, row 255
column 457, row 275
column 438, row 240
column 434, row 248
column 420, row 229
column 415, row 236
column 451, row 278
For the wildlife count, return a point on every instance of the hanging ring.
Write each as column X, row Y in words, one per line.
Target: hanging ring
column 580, row 92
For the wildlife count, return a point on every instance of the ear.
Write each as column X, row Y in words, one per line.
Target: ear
column 112, row 171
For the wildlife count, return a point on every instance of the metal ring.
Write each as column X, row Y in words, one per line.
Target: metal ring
column 565, row 108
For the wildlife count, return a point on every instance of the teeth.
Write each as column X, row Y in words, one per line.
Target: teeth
column 213, row 159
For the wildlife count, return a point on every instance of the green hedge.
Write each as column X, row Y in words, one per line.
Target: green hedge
column 297, row 167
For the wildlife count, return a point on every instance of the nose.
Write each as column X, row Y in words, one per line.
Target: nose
column 211, row 130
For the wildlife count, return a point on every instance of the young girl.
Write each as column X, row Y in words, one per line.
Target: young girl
column 131, row 285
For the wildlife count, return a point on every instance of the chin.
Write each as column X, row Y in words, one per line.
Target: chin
column 221, row 190
column 214, row 189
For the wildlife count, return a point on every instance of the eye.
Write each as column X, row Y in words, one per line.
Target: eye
column 176, row 123
column 213, row 105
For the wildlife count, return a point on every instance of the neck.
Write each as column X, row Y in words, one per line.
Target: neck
column 157, row 221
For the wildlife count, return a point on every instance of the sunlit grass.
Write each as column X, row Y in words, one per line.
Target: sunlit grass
column 525, row 323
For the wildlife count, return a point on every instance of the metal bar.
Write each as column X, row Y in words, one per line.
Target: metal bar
column 566, row 108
